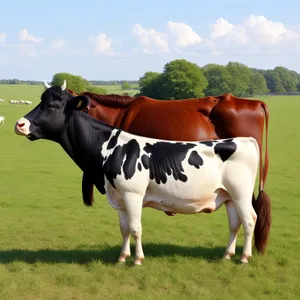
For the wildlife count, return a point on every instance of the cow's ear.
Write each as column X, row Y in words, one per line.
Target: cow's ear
column 82, row 103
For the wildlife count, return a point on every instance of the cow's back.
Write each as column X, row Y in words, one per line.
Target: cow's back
column 171, row 119
column 234, row 116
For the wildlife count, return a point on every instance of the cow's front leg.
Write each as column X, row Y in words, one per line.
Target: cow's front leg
column 134, row 204
column 124, row 227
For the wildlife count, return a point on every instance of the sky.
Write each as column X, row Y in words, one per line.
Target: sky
column 121, row 40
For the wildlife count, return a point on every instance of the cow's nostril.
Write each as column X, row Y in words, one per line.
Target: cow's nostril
column 21, row 124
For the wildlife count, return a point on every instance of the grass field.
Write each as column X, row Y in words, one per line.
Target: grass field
column 117, row 89
column 53, row 247
column 33, row 92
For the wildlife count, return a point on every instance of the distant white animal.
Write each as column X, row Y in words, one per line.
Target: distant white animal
column 14, row 101
column 2, row 119
column 1, row 101
column 28, row 102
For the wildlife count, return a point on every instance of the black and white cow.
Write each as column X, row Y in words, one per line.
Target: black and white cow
column 137, row 172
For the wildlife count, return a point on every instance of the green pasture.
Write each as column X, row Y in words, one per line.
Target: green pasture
column 33, row 92
column 117, row 89
column 53, row 247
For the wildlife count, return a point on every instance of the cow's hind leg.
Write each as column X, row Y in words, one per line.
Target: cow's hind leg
column 124, row 227
column 241, row 196
column 234, row 222
column 248, row 219
column 134, row 204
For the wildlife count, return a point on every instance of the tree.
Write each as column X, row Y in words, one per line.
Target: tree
column 258, row 84
column 241, row 75
column 219, row 79
column 149, row 85
column 288, row 81
column 74, row 83
column 182, row 79
column 274, row 82
column 125, row 85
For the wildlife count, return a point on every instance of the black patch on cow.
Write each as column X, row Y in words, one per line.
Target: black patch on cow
column 112, row 166
column 166, row 159
column 191, row 144
column 113, row 141
column 207, row 143
column 145, row 161
column 139, row 166
column 225, row 149
column 195, row 160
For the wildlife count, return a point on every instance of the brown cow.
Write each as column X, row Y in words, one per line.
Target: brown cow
column 193, row 119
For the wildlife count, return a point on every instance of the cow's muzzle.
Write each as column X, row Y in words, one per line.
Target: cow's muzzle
column 22, row 127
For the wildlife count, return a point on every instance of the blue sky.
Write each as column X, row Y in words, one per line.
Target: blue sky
column 105, row 40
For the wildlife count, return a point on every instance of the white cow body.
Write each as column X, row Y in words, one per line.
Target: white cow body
column 206, row 189
column 2, row 119
column 202, row 191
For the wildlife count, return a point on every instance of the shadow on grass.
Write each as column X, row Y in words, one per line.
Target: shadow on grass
column 109, row 254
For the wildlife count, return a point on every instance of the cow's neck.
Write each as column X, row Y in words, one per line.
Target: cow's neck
column 83, row 139
column 114, row 116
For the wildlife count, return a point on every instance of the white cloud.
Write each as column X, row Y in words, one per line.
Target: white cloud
column 175, row 35
column 57, row 44
column 151, row 40
column 221, row 28
column 182, row 34
column 253, row 38
column 26, row 37
column 2, row 37
column 266, row 31
column 255, row 33
column 102, row 43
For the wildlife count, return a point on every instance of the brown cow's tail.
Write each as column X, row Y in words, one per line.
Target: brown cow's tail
column 262, row 205
column 263, row 170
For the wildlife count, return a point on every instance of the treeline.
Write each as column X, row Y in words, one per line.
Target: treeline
column 113, row 82
column 93, row 82
column 17, row 81
column 183, row 79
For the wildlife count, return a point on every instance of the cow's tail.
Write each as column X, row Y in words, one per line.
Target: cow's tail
column 262, row 205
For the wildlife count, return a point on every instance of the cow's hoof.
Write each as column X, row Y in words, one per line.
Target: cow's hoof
column 138, row 262
column 245, row 259
column 122, row 258
column 227, row 255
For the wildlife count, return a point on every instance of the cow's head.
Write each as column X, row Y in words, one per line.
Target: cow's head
column 49, row 118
